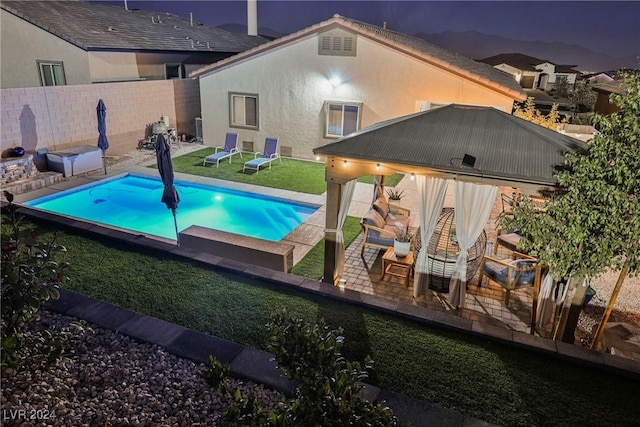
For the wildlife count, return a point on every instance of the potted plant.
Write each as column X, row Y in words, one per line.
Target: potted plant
column 395, row 194
column 402, row 242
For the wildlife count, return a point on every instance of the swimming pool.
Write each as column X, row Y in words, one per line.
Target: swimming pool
column 132, row 202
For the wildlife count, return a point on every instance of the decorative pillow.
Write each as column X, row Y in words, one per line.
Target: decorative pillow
column 373, row 218
column 381, row 206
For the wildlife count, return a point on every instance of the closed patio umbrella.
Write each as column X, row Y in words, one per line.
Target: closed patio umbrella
column 165, row 167
column 103, row 144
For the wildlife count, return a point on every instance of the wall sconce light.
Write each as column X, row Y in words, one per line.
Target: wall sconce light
column 413, row 176
column 335, row 81
column 317, row 158
column 378, row 167
column 345, row 163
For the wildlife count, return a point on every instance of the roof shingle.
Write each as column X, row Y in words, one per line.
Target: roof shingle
column 94, row 26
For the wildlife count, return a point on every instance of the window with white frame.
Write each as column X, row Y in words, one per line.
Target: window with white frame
column 342, row 118
column 243, row 110
column 51, row 73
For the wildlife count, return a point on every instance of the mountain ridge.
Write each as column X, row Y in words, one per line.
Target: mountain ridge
column 477, row 45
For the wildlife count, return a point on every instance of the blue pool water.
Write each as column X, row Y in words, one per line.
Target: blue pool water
column 133, row 202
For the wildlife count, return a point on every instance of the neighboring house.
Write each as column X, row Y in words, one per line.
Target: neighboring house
column 335, row 77
column 533, row 73
column 47, row 43
column 603, row 104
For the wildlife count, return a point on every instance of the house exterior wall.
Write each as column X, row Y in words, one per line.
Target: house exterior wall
column 114, row 66
column 57, row 117
column 23, row 44
column 292, row 83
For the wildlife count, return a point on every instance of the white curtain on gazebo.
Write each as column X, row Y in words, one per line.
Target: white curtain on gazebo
column 473, row 208
column 431, row 193
column 546, row 303
column 345, row 201
column 378, row 187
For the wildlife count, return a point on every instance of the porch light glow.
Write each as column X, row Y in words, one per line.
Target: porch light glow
column 345, row 163
column 413, row 176
column 378, row 167
column 335, row 81
column 317, row 158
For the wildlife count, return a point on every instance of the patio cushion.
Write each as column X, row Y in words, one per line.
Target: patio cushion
column 373, row 218
column 381, row 206
column 377, row 238
column 498, row 272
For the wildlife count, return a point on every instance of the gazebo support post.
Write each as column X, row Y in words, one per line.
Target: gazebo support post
column 333, row 205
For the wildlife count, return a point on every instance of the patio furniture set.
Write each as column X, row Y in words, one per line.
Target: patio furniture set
column 230, row 148
column 381, row 223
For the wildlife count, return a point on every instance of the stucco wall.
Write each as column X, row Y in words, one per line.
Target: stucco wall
column 113, row 66
column 59, row 116
column 292, row 84
column 23, row 44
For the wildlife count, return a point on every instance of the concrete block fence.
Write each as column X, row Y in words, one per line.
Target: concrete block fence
column 56, row 117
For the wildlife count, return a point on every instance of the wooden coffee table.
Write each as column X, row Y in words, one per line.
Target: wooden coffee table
column 393, row 265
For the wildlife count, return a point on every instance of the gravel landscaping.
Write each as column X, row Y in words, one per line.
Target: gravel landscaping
column 107, row 379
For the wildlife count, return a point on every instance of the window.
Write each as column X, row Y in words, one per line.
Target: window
column 561, row 79
column 342, row 118
column 243, row 110
column 51, row 73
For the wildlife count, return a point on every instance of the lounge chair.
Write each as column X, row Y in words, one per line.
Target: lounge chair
column 269, row 155
column 230, row 148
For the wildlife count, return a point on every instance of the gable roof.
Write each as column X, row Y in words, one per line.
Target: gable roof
column 94, row 26
column 414, row 46
column 506, row 147
column 525, row 62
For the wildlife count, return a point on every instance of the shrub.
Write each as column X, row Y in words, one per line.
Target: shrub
column 328, row 391
column 30, row 277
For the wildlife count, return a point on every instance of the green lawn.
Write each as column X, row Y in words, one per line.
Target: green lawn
column 479, row 378
column 312, row 265
column 292, row 174
column 389, row 181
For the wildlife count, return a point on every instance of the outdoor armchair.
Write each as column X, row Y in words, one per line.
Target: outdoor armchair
column 230, row 148
column 511, row 274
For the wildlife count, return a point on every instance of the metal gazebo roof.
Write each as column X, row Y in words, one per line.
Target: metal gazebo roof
column 505, row 147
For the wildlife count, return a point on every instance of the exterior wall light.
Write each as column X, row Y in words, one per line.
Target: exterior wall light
column 345, row 163
column 413, row 176
column 378, row 167
column 335, row 81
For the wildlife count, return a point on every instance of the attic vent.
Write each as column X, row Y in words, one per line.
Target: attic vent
column 337, row 44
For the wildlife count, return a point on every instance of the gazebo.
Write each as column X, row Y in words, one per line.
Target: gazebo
column 466, row 144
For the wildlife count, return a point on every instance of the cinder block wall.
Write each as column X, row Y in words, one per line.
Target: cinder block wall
column 57, row 117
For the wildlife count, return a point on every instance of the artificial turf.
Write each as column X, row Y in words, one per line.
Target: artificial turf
column 480, row 378
column 291, row 174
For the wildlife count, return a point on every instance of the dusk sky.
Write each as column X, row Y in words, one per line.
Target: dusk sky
column 603, row 26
